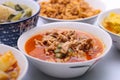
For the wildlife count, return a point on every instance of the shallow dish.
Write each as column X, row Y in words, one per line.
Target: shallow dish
column 9, row 32
column 102, row 16
column 97, row 4
column 21, row 59
column 66, row 70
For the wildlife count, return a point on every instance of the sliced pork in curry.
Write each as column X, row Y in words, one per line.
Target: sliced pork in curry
column 58, row 45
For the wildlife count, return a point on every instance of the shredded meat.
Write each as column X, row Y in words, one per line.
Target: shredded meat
column 65, row 44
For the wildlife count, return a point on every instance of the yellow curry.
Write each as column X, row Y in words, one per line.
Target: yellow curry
column 112, row 23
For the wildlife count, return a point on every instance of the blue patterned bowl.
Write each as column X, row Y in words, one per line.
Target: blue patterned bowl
column 10, row 32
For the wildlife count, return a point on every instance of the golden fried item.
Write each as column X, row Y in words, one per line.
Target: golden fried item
column 67, row 9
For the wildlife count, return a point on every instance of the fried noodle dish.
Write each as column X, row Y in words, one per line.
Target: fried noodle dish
column 67, row 9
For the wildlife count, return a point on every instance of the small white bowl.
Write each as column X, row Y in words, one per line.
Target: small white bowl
column 96, row 4
column 65, row 70
column 115, row 37
column 21, row 59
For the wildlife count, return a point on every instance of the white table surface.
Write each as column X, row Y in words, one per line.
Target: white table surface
column 107, row 69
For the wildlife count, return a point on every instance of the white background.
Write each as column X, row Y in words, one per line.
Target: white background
column 110, row 4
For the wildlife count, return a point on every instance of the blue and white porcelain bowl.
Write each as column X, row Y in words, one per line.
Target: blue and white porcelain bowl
column 10, row 32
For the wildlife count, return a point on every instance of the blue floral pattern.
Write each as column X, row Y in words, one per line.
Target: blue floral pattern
column 9, row 33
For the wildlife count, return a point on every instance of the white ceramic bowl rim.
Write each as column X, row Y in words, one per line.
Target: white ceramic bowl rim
column 20, row 77
column 81, row 19
column 35, row 14
column 97, row 58
column 99, row 23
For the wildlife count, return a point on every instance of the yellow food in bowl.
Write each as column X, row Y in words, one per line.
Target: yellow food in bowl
column 112, row 23
column 9, row 69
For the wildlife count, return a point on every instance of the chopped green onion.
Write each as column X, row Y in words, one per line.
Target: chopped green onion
column 70, row 50
column 60, row 46
column 17, row 17
column 28, row 12
column 60, row 55
column 10, row 17
column 57, row 50
column 18, row 7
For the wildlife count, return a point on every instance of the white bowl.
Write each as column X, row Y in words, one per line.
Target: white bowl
column 96, row 4
column 65, row 70
column 21, row 59
column 115, row 37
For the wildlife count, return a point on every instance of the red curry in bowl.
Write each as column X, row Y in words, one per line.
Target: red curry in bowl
column 64, row 45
